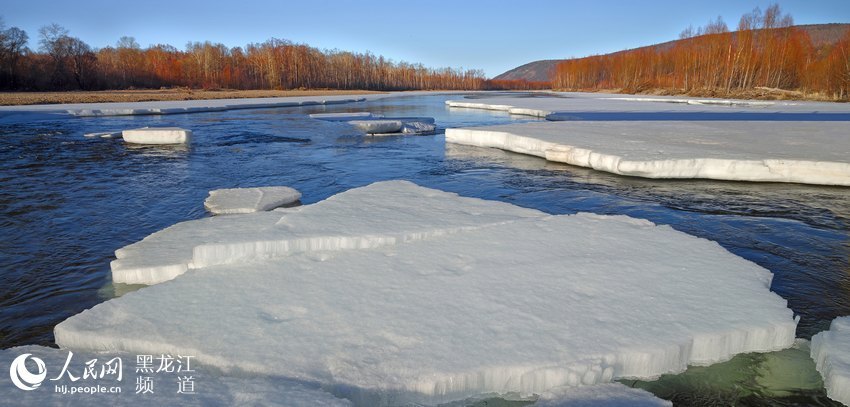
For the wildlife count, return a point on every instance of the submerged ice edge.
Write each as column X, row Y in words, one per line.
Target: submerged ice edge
column 767, row 170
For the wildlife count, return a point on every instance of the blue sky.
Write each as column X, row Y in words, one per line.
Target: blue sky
column 491, row 35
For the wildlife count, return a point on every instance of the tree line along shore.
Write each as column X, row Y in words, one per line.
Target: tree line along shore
column 767, row 57
column 155, row 95
column 63, row 62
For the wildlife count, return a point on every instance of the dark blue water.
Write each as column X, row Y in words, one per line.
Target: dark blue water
column 67, row 202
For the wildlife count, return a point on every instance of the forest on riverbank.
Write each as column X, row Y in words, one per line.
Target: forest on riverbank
column 63, row 62
column 766, row 53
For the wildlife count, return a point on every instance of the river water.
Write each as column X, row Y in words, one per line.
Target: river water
column 67, row 202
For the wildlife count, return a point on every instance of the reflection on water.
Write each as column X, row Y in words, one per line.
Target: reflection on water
column 67, row 202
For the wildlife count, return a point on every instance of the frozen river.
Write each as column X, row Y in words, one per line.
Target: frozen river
column 68, row 202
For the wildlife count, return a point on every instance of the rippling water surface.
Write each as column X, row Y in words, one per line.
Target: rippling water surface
column 67, row 202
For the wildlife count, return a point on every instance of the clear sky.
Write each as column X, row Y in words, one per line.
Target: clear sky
column 490, row 35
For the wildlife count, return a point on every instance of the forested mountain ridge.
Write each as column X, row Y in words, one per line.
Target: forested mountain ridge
column 543, row 70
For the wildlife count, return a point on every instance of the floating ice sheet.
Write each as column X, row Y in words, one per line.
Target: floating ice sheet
column 379, row 214
column 249, row 200
column 662, row 137
column 205, row 388
column 521, row 305
column 607, row 395
column 831, row 353
column 804, row 152
column 157, row 135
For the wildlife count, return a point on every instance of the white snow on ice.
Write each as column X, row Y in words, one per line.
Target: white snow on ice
column 526, row 304
column 831, row 353
column 379, row 214
column 744, row 141
column 157, row 135
column 607, row 395
column 249, row 200
column 210, row 387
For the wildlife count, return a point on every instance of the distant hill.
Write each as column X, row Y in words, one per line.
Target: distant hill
column 821, row 34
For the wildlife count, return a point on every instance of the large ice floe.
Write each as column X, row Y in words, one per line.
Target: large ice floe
column 802, row 152
column 249, row 200
column 393, row 293
column 831, row 353
column 735, row 141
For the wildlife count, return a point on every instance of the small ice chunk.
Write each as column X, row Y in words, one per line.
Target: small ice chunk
column 248, row 200
column 157, row 135
column 377, row 126
column 203, row 386
column 342, row 117
column 607, row 395
column 105, row 134
column 831, row 353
